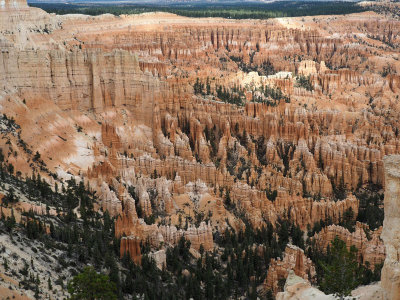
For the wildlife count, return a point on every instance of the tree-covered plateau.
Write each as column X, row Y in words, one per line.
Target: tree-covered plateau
column 200, row 10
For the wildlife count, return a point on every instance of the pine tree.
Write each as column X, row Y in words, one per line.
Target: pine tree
column 91, row 285
column 228, row 200
column 208, row 86
column 341, row 272
column 50, row 286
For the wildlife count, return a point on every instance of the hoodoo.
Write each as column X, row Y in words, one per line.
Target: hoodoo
column 199, row 158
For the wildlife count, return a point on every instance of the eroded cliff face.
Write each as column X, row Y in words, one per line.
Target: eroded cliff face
column 371, row 249
column 131, row 246
column 388, row 288
column 115, row 101
column 390, row 234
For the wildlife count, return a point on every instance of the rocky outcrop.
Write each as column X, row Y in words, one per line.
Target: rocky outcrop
column 18, row 22
column 160, row 258
column 165, row 235
column 10, row 5
column 388, row 288
column 370, row 249
column 200, row 236
column 72, row 79
column 294, row 260
column 131, row 246
column 391, row 228
column 297, row 288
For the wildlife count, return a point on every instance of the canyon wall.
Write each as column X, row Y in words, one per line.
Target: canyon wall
column 124, row 88
column 81, row 80
column 114, row 101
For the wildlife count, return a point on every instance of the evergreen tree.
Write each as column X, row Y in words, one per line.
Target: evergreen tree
column 228, row 201
column 341, row 271
column 89, row 285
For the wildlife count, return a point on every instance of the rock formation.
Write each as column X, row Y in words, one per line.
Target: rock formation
column 389, row 287
column 112, row 101
column 297, row 288
column 391, row 228
column 165, row 235
column 160, row 258
column 131, row 246
column 294, row 260
column 370, row 249
column 129, row 113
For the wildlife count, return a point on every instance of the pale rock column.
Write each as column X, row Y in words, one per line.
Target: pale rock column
column 391, row 228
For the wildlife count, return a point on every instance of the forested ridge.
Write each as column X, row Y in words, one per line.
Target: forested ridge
column 198, row 10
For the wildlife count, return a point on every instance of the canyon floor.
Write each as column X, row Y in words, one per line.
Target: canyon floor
column 195, row 157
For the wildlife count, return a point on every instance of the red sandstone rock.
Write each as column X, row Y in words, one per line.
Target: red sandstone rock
column 110, row 100
column 131, row 246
